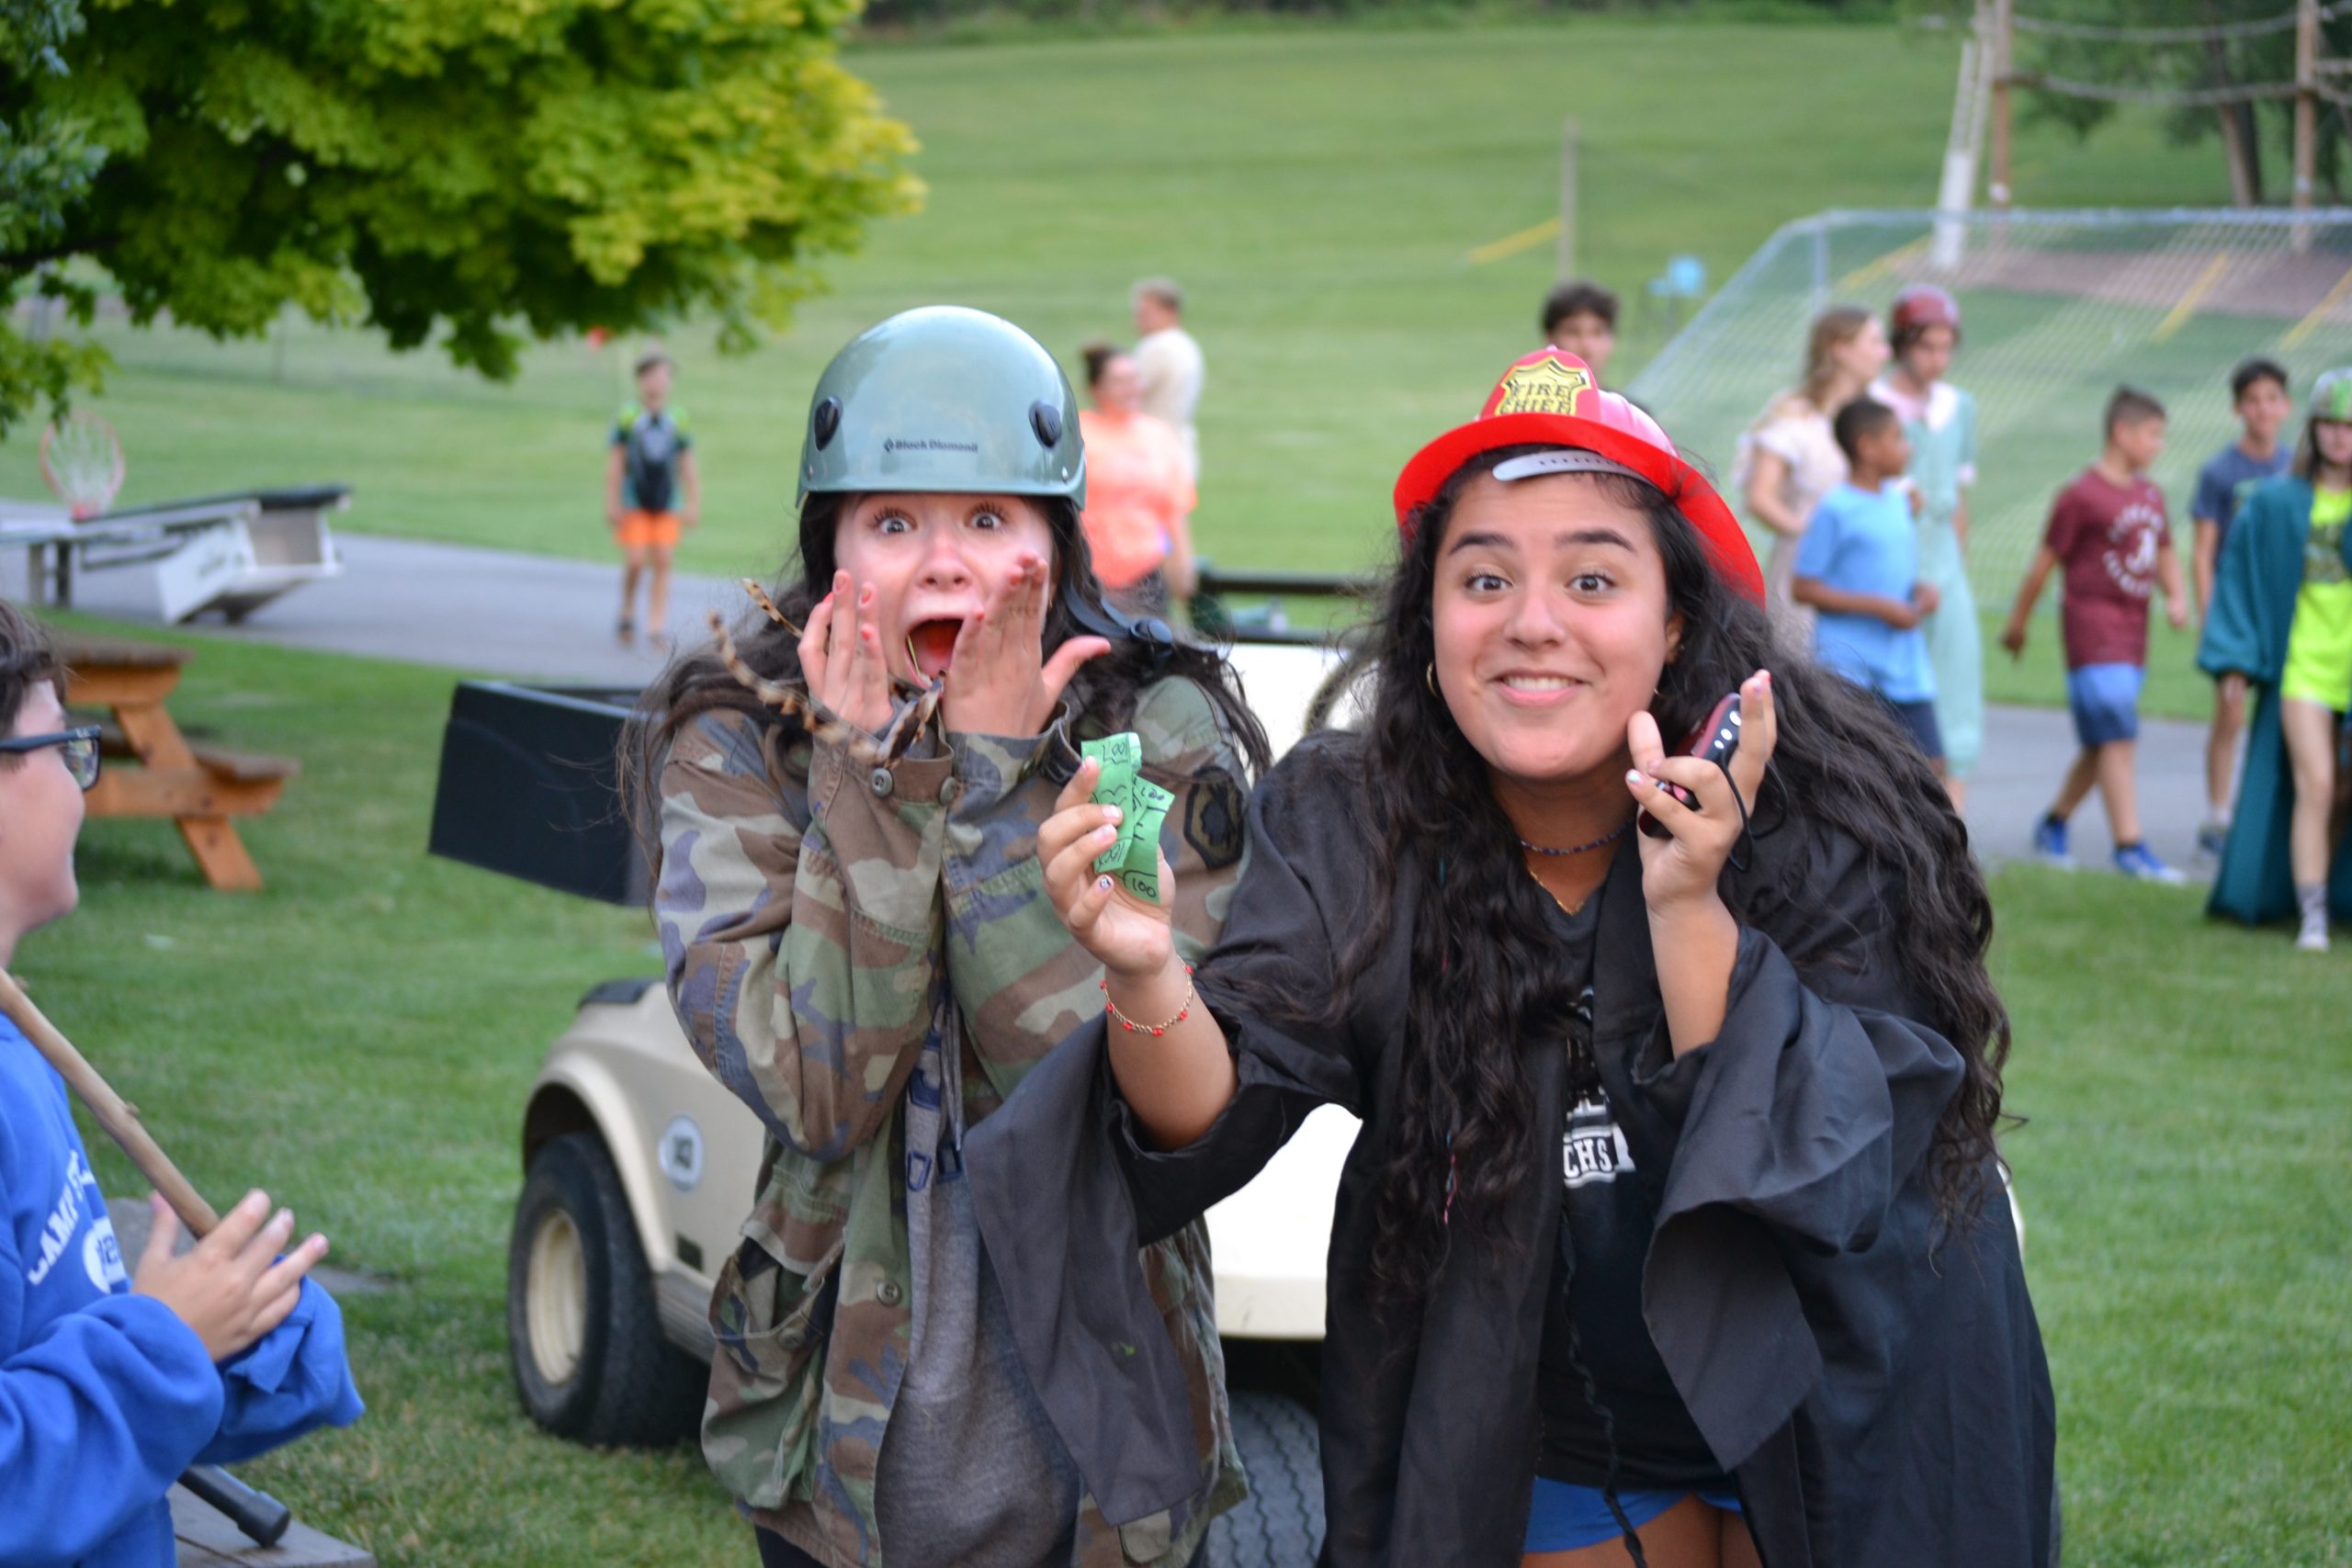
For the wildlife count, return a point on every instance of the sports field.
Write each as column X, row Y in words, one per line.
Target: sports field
column 1317, row 190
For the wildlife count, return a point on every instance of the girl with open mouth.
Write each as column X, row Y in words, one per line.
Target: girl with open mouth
column 860, row 946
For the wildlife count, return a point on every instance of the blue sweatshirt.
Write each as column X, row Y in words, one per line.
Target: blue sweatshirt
column 105, row 1396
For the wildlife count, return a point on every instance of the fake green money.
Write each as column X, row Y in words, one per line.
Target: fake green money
column 1143, row 806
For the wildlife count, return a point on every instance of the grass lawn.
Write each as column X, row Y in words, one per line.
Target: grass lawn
column 2188, row 1100
column 360, row 1039
column 1317, row 189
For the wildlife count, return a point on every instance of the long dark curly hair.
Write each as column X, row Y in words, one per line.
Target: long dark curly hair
column 1105, row 688
column 1485, row 985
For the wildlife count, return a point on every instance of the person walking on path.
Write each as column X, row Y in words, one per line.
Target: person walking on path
column 2108, row 533
column 1579, row 317
column 1858, row 570
column 1789, row 458
column 1170, row 370
column 1674, row 1232
column 2258, row 396
column 2281, row 620
column 653, row 494
column 1139, row 494
column 859, row 946
column 1924, row 330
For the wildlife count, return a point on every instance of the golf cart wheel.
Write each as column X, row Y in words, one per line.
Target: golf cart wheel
column 584, row 1336
column 1280, row 1524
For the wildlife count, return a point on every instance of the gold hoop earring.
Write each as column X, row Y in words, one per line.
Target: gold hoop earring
column 1429, row 677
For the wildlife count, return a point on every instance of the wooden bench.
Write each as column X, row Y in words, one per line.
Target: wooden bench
column 200, row 788
column 209, row 1541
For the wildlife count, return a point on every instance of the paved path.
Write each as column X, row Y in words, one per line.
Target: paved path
column 538, row 618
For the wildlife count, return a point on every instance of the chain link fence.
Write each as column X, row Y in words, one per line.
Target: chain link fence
column 2058, row 310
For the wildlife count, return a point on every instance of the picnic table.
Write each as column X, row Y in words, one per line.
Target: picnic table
column 231, row 552
column 200, row 788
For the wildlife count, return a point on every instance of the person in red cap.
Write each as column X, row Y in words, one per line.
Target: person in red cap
column 1923, row 328
column 1674, row 1232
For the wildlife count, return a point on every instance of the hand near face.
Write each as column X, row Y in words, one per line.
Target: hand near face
column 840, row 654
column 1680, row 870
column 1125, row 935
column 1000, row 681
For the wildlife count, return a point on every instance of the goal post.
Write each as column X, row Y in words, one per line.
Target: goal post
column 2058, row 309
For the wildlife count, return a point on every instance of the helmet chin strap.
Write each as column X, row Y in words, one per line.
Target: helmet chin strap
column 1115, row 625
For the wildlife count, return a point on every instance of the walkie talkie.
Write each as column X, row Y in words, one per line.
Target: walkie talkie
column 1716, row 742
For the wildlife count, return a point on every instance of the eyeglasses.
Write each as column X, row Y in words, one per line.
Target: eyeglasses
column 79, row 746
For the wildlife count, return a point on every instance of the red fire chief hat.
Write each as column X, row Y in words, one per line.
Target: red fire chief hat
column 1549, row 398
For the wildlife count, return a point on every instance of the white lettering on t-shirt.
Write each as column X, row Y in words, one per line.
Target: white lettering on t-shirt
column 1593, row 1149
column 2130, row 555
column 64, row 1219
column 102, row 1255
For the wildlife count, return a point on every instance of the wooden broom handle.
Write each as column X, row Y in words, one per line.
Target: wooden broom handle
column 120, row 1121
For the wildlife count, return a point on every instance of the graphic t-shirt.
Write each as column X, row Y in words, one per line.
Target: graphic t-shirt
column 1865, row 542
column 651, row 444
column 1593, row 1328
column 2319, row 645
column 2223, row 484
column 2106, row 537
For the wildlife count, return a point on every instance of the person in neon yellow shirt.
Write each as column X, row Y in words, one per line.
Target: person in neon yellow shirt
column 2282, row 617
column 2317, row 685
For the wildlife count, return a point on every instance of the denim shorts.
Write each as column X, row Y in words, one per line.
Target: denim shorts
column 2105, row 701
column 1564, row 1518
column 1918, row 721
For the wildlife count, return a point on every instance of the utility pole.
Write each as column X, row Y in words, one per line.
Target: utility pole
column 1568, row 139
column 2306, row 116
column 1964, row 150
column 2003, row 68
column 2306, row 99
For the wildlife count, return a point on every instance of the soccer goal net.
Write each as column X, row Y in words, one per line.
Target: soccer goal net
column 2058, row 310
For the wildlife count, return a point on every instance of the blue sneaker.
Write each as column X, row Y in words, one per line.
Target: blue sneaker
column 2049, row 844
column 2139, row 864
column 2212, row 839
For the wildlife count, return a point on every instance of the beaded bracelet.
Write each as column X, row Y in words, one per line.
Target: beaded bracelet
column 1130, row 1025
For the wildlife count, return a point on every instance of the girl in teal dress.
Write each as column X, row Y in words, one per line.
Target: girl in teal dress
column 2281, row 623
column 1924, row 329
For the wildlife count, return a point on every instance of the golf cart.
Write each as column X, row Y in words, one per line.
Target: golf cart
column 639, row 1169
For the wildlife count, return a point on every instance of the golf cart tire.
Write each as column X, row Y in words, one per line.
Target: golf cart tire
column 1280, row 1524
column 616, row 1379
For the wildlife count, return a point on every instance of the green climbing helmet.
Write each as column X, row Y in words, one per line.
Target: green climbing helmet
column 944, row 399
column 2332, row 396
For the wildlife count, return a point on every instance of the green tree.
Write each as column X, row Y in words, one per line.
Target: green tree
column 2209, row 46
column 482, row 171
column 46, row 165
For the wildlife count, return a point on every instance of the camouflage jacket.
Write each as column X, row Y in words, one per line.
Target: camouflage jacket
column 821, row 921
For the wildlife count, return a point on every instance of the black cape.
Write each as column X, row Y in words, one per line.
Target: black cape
column 1873, row 1402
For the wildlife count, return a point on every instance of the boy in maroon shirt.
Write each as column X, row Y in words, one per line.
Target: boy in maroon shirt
column 2109, row 531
